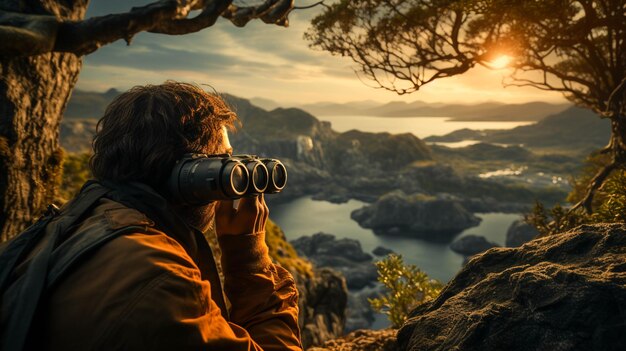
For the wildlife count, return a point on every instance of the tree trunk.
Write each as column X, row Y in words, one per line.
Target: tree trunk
column 33, row 94
column 617, row 150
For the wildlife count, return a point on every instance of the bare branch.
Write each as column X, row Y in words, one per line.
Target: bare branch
column 587, row 201
column 26, row 35
column 271, row 11
column 319, row 3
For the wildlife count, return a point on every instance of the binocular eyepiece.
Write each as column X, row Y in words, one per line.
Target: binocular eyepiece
column 199, row 179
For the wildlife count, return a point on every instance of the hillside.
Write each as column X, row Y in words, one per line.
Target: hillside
column 488, row 111
column 575, row 130
column 89, row 104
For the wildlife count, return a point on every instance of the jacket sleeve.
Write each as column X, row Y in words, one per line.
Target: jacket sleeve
column 263, row 296
column 174, row 310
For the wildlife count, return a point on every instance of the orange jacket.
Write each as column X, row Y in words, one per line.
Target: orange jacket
column 142, row 291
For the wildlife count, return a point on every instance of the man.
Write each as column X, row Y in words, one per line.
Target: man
column 156, row 287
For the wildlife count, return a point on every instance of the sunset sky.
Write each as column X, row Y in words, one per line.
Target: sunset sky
column 267, row 61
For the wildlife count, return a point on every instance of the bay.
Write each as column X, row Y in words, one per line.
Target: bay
column 304, row 216
column 420, row 126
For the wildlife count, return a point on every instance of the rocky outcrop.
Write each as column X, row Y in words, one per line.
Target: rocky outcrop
column 382, row 251
column 362, row 340
column 415, row 216
column 322, row 301
column 360, row 314
column 322, row 292
column 471, row 245
column 520, row 233
column 562, row 292
column 343, row 255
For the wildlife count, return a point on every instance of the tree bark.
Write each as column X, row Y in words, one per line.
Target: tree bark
column 33, row 94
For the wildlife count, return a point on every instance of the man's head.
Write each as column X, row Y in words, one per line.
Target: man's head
column 145, row 130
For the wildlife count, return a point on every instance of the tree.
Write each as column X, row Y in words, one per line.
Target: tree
column 577, row 48
column 41, row 45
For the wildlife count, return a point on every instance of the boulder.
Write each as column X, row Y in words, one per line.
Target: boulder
column 471, row 245
column 360, row 314
column 416, row 216
column 520, row 233
column 382, row 251
column 562, row 292
column 343, row 255
column 322, row 301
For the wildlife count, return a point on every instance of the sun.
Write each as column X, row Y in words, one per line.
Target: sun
column 500, row 62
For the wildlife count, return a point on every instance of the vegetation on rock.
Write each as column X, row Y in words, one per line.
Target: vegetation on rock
column 408, row 287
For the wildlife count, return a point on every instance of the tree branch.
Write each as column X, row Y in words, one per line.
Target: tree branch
column 587, row 201
column 27, row 35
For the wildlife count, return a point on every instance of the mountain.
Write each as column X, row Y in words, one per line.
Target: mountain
column 339, row 109
column 487, row 111
column 575, row 129
column 264, row 103
column 89, row 104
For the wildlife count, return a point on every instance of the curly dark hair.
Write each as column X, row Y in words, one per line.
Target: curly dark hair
column 145, row 130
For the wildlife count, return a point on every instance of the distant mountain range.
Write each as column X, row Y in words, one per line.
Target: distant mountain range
column 89, row 104
column 487, row 111
column 84, row 104
column 574, row 129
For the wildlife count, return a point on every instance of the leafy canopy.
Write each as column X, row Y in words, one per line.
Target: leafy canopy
column 575, row 47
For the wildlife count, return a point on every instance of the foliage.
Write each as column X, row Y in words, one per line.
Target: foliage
column 283, row 253
column 408, row 287
column 572, row 47
column 404, row 44
column 75, row 173
column 609, row 202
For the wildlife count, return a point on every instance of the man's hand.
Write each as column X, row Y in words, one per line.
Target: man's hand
column 248, row 218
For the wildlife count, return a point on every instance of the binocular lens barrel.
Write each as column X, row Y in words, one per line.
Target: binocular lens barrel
column 259, row 177
column 199, row 179
column 278, row 175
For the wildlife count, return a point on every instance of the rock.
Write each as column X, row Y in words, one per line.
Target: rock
column 322, row 301
column 343, row 255
column 520, row 233
column 416, row 216
column 562, row 292
column 322, row 292
column 471, row 245
column 360, row 314
column 382, row 251
column 362, row 340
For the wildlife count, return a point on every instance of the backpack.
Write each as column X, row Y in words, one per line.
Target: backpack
column 22, row 296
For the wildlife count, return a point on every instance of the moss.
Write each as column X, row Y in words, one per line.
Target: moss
column 283, row 253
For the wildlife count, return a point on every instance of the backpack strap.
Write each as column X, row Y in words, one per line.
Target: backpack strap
column 35, row 278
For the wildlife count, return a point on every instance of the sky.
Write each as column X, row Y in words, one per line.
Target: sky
column 268, row 61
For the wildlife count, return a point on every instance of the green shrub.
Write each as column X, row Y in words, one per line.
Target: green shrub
column 408, row 287
column 609, row 202
column 75, row 173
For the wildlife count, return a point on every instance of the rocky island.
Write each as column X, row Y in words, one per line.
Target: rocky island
column 415, row 215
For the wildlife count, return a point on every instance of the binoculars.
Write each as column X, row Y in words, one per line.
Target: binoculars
column 198, row 179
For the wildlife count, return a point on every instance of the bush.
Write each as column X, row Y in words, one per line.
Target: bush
column 75, row 173
column 609, row 202
column 408, row 287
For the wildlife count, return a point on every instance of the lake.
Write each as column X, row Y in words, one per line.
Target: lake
column 420, row 126
column 305, row 216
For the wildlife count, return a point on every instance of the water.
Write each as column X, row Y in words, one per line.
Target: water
column 305, row 216
column 420, row 126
